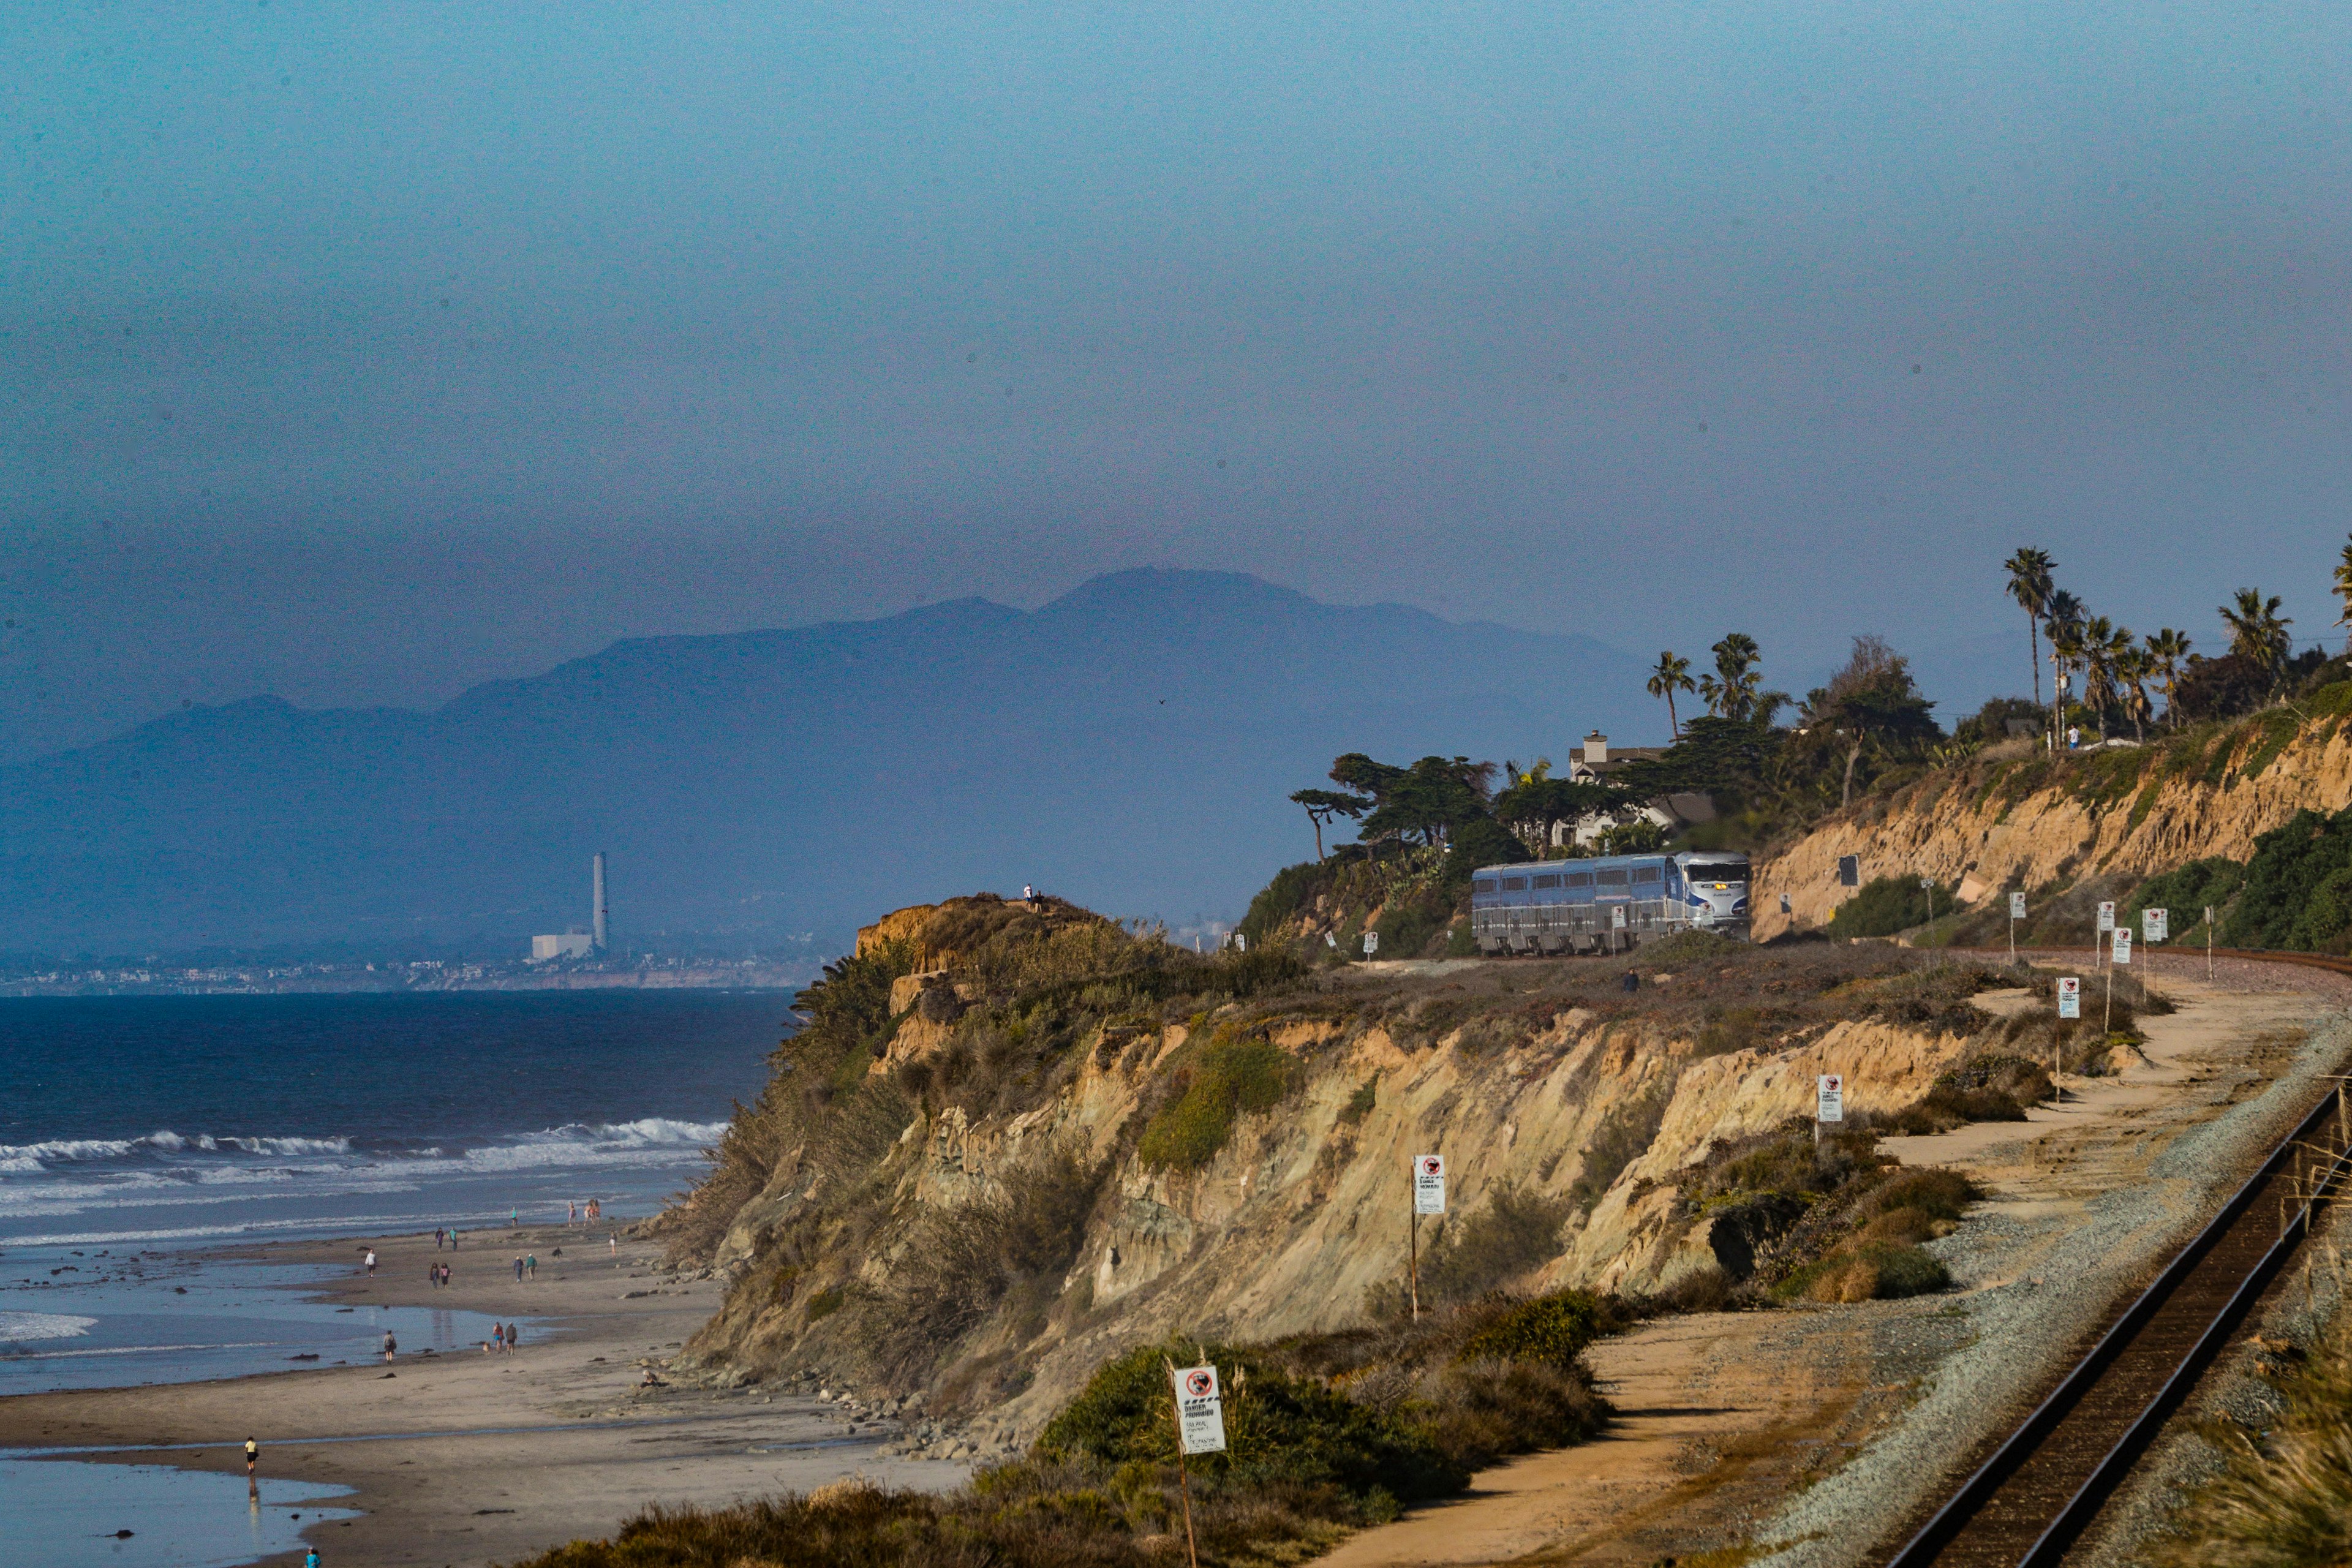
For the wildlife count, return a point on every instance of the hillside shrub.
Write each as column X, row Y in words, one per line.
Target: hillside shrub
column 1229, row 1079
column 1887, row 905
column 2298, row 891
column 1278, row 1427
column 1869, row 1271
column 2185, row 892
column 958, row 1263
column 1515, row 1232
column 1552, row 1331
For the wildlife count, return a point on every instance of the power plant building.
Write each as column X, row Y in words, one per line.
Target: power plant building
column 577, row 943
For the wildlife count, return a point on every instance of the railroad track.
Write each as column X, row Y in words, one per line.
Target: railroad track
column 2037, row 1493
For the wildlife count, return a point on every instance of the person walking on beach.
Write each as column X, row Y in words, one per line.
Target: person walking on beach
column 514, row 1337
column 530, row 1265
column 613, row 1240
column 390, row 1345
column 371, row 1262
column 252, row 1457
column 438, row 1232
column 497, row 1337
column 311, row 1558
column 517, row 1268
column 514, row 1220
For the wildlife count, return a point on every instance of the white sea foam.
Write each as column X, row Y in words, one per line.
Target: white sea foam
column 15, row 1328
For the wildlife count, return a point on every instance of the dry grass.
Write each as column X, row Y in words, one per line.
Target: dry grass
column 958, row 1265
column 2284, row 1499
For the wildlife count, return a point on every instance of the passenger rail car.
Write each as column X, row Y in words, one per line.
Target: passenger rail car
column 1607, row 905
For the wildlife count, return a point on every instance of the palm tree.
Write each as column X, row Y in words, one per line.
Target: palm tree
column 2029, row 585
column 2165, row 651
column 2258, row 630
column 1734, row 661
column 2107, row 649
column 2344, row 592
column 2062, row 623
column 2134, row 667
column 1672, row 675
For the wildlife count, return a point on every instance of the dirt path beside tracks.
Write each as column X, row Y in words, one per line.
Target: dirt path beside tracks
column 1801, row 1435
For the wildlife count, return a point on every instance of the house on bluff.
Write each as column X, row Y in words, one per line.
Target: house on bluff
column 1595, row 762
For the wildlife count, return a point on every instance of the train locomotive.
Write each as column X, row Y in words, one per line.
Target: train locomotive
column 1611, row 904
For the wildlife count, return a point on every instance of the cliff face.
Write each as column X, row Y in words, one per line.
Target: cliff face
column 1543, row 1084
column 2028, row 821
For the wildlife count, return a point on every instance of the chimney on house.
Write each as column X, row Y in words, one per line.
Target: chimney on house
column 1596, row 749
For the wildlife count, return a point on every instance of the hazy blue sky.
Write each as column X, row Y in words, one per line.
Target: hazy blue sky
column 361, row 351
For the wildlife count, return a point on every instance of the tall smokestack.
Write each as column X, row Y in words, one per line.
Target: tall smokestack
column 596, row 901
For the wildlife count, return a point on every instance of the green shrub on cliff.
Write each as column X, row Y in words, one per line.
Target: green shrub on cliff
column 2185, row 892
column 1228, row 1078
column 1886, row 905
column 2297, row 893
column 1278, row 1427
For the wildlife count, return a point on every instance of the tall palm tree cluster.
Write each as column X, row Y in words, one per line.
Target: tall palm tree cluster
column 1735, row 690
column 2100, row 669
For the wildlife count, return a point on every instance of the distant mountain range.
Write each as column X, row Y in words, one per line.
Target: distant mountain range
column 1128, row 745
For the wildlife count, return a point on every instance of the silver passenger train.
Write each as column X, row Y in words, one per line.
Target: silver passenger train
column 1607, row 905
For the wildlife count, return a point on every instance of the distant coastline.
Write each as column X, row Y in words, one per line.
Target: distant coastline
column 401, row 979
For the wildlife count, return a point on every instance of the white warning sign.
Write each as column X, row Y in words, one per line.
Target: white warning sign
column 2108, row 916
column 1429, row 1184
column 2123, row 944
column 2154, row 925
column 1828, row 1097
column 2017, row 906
column 2070, row 996
column 1200, row 1410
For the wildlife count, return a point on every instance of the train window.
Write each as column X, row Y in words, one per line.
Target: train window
column 1579, row 879
column 1484, row 885
column 1515, row 884
column 1645, row 873
column 1550, row 881
column 1610, row 878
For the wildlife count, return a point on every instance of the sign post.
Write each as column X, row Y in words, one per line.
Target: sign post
column 2016, row 913
column 1616, row 924
column 1199, row 1429
column 1428, row 1197
column 2070, row 1005
column 1829, row 1102
column 1371, row 943
column 2122, row 956
column 2209, row 942
column 2107, row 924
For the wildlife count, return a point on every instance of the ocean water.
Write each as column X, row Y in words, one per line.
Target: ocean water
column 137, row 1134
column 63, row 1514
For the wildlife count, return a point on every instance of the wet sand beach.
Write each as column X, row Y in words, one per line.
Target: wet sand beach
column 469, row 1457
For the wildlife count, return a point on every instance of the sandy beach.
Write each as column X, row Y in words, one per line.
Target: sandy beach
column 469, row 1457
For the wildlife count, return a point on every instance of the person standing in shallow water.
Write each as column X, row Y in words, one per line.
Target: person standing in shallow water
column 390, row 1345
column 252, row 1461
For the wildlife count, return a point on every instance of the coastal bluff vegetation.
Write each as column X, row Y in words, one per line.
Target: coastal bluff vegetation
column 1017, row 1141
